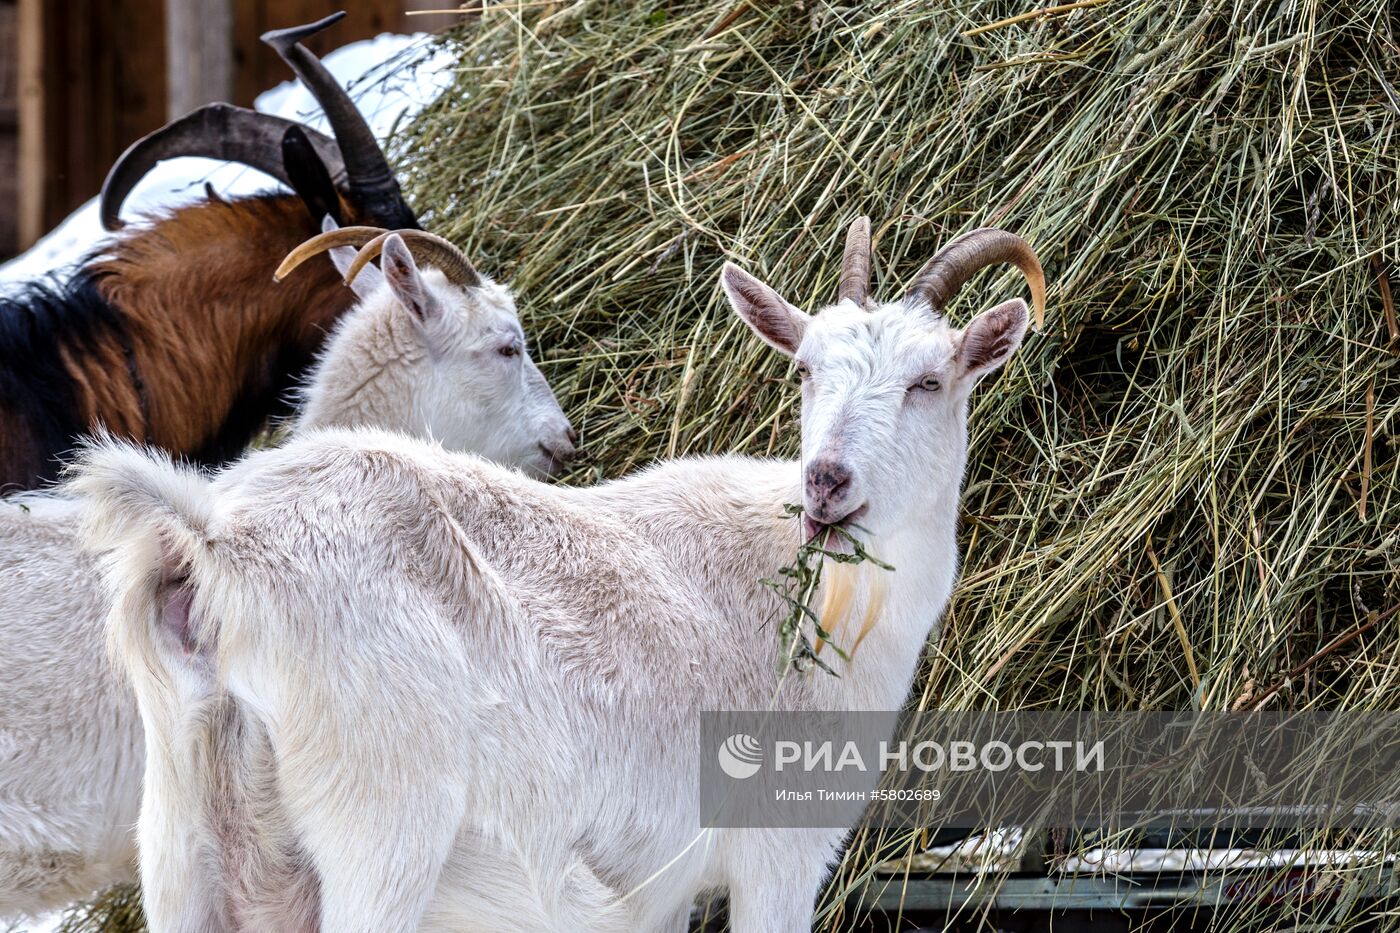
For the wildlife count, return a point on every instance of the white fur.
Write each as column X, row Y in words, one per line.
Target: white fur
column 438, row 372
column 480, row 692
column 71, row 754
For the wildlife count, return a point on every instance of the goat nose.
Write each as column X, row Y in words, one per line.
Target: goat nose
column 559, row 454
column 827, row 480
column 563, row 449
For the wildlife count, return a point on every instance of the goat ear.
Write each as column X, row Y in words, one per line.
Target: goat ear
column 308, row 175
column 401, row 272
column 369, row 279
column 778, row 323
column 992, row 336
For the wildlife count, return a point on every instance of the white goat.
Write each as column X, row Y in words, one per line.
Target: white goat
column 416, row 354
column 398, row 689
column 454, row 368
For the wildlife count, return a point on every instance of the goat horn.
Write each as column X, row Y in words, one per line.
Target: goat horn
column 957, row 262
column 428, row 248
column 367, row 172
column 215, row 131
column 342, row 236
column 855, row 264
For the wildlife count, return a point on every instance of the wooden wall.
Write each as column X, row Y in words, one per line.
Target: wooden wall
column 257, row 67
column 92, row 80
column 9, row 128
column 90, row 77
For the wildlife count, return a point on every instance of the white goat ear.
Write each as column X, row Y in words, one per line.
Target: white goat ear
column 992, row 336
column 778, row 323
column 401, row 272
column 369, row 279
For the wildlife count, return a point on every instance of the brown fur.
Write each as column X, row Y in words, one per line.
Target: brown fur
column 208, row 327
column 194, row 345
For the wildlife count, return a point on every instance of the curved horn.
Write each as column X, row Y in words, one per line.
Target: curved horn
column 855, row 264
column 367, row 172
column 957, row 262
column 343, row 236
column 427, row 248
column 215, row 131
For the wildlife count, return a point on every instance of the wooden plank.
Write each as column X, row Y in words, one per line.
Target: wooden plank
column 118, row 89
column 199, row 53
column 76, row 121
column 9, row 71
column 33, row 174
column 424, row 15
column 248, row 52
column 9, row 129
column 92, row 81
column 139, row 82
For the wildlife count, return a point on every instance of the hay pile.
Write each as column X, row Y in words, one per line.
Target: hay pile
column 1184, row 493
column 1186, row 487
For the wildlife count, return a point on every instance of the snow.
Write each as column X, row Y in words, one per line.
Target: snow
column 1000, row 851
column 386, row 96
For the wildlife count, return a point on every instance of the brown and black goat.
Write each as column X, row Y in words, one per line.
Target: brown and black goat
column 175, row 333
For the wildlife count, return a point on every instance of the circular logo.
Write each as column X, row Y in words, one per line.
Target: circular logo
column 740, row 756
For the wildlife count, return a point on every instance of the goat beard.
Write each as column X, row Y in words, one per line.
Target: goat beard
column 840, row 583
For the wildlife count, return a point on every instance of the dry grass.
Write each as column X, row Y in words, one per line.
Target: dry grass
column 1186, row 487
column 1185, row 491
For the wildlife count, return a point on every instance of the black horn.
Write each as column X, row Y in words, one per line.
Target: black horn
column 215, row 131
column 370, row 181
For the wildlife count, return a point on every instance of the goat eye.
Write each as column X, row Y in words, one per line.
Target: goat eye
column 928, row 384
column 803, row 372
column 509, row 350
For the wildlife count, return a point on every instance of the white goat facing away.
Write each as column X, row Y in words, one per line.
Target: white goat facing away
column 417, row 354
column 398, row 689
